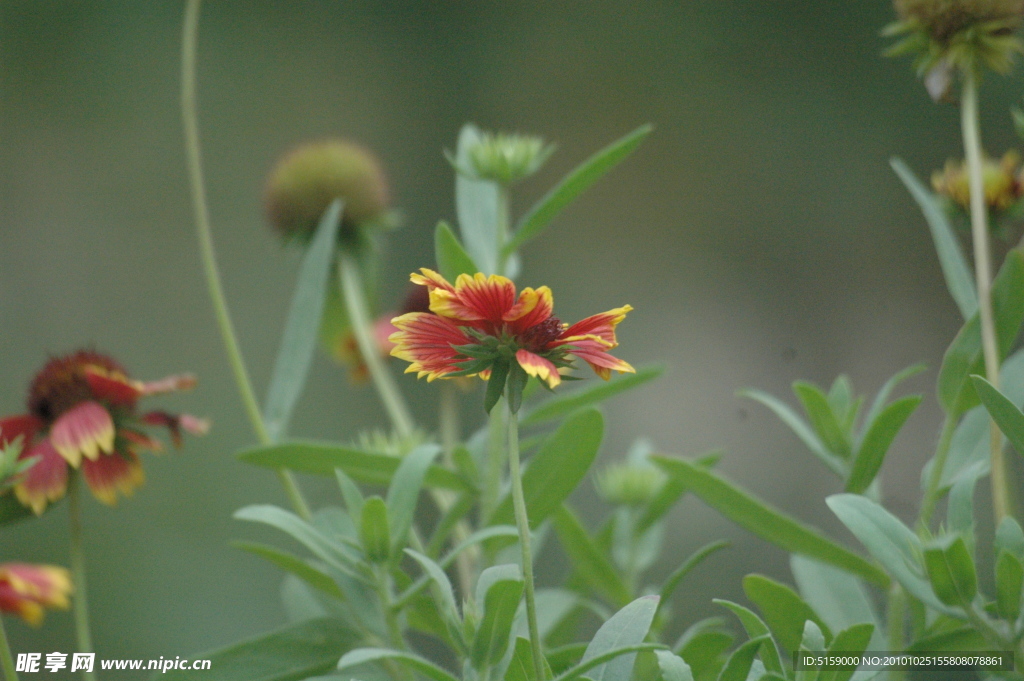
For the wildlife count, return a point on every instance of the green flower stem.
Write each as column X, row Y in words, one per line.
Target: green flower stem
column 931, row 495
column 83, row 635
column 896, row 613
column 504, row 217
column 6, row 659
column 448, row 425
column 983, row 276
column 355, row 302
column 496, row 458
column 209, row 258
column 523, row 524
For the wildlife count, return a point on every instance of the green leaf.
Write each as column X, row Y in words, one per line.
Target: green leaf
column 350, row 493
column 766, row 522
column 1010, row 537
column 452, row 259
column 499, row 590
column 405, row 490
column 965, row 639
column 602, row 659
column 703, row 647
column 567, row 402
column 627, row 627
column 295, row 652
column 1009, row 582
column 784, row 611
column 373, row 530
column 676, row 578
column 415, row 662
column 520, row 667
column 877, row 439
column 951, row 570
column 557, row 468
column 572, row 185
column 293, row 564
column 756, row 628
column 742, row 659
column 669, row 494
column 850, row 641
column 298, row 342
column 883, row 394
column 959, row 279
column 836, row 595
column 799, row 427
column 307, row 535
column 589, row 561
column 823, row 420
column 517, row 378
column 1005, row 413
column 673, row 667
column 496, row 384
column 321, row 458
column 889, row 541
column 476, row 205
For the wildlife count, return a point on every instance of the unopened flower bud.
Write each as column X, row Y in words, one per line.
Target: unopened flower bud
column 627, row 484
column 506, row 159
column 1003, row 186
column 307, row 180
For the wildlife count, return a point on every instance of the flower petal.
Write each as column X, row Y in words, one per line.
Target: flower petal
column 594, row 351
column 532, row 308
column 477, row 298
column 46, row 480
column 85, row 429
column 112, row 386
column 175, row 423
column 113, row 473
column 535, row 365
column 24, row 425
column 601, row 325
column 169, row 384
column 431, row 280
column 426, row 341
column 25, row 589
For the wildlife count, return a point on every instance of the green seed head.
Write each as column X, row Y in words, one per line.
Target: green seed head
column 506, row 159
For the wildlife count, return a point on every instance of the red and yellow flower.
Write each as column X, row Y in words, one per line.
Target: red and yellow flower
column 26, row 590
column 82, row 415
column 480, row 323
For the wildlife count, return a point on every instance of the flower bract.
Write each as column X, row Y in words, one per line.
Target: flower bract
column 27, row 590
column 82, row 415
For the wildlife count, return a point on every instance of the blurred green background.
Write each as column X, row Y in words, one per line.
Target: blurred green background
column 759, row 233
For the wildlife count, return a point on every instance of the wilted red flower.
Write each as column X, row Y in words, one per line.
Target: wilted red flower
column 82, row 414
column 25, row 590
column 480, row 321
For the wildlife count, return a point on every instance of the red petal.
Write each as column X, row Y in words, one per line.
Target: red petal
column 24, row 425
column 426, row 341
column 111, row 387
column 475, row 299
column 175, row 423
column 601, row 325
column 535, row 365
column 113, row 473
column 46, row 480
column 86, row 429
column 532, row 308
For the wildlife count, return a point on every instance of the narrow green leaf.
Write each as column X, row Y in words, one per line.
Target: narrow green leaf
column 669, row 494
column 675, row 579
column 567, row 402
column 452, row 259
column 293, row 564
column 966, row 638
column 950, row 568
column 1010, row 537
column 557, row 468
column 850, row 641
column 298, row 342
column 374, row 534
column 520, row 667
column 742, row 659
column 839, row 597
column 307, row 535
column 959, row 279
column 784, row 611
column 756, row 628
column 294, row 652
column 405, row 489
column 321, row 458
column 823, row 420
column 589, row 562
column 496, row 384
column 627, row 627
column 889, row 541
column 877, row 440
column 500, row 600
column 572, row 185
column 799, row 427
column 414, row 662
column 517, row 378
column 673, row 667
column 703, row 647
column 1009, row 582
column 883, row 394
column 766, row 522
column 1005, row 413
column 350, row 493
column 476, row 205
column 602, row 659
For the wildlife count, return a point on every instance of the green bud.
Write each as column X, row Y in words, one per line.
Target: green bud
column 305, row 182
column 506, row 159
column 625, row 484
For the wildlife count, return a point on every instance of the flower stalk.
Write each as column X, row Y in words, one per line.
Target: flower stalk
column 83, row 634
column 983, row 277
column 204, row 233
column 6, row 659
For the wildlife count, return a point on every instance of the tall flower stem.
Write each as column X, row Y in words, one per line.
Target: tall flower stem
column 931, row 494
column 983, row 276
column 6, row 659
column 523, row 525
column 83, row 635
column 448, row 427
column 355, row 302
column 206, row 249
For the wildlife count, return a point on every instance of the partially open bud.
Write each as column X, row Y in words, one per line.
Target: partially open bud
column 629, row 484
column 1003, row 186
column 506, row 159
column 308, row 179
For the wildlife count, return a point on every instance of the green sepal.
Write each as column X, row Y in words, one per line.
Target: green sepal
column 373, row 530
column 517, row 378
column 496, row 384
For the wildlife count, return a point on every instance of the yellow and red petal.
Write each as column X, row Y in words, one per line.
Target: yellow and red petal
column 84, row 430
column 594, row 351
column 112, row 386
column 46, row 481
column 24, row 426
column 175, row 423
column 476, row 298
column 138, row 441
column 532, row 308
column 431, row 279
column 426, row 341
column 600, row 325
column 26, row 589
column 113, row 473
column 537, row 366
